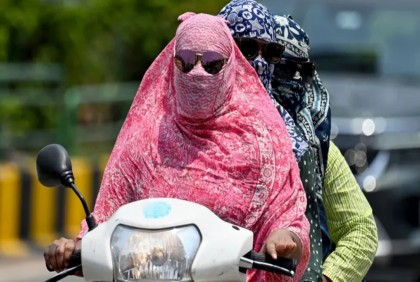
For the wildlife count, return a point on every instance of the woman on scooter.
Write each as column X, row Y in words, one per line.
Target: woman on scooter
column 201, row 128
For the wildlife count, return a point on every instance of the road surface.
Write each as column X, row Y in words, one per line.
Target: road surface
column 27, row 269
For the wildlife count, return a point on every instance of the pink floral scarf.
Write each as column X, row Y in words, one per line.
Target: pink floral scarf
column 212, row 139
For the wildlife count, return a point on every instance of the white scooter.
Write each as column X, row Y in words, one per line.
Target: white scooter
column 157, row 239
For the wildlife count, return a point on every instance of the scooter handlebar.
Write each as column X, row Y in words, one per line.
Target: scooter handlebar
column 260, row 261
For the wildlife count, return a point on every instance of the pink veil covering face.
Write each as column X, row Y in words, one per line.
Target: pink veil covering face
column 212, row 139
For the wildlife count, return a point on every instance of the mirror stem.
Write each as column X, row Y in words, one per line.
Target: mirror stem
column 89, row 217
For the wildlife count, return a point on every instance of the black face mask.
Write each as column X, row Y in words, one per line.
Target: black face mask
column 290, row 93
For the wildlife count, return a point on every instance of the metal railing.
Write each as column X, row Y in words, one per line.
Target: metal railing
column 76, row 117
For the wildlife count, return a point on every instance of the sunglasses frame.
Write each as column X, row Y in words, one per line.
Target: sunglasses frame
column 262, row 47
column 306, row 69
column 198, row 57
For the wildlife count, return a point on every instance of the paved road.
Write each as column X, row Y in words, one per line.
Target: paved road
column 27, row 269
column 32, row 269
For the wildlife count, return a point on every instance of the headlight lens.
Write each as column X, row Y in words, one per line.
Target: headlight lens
column 165, row 254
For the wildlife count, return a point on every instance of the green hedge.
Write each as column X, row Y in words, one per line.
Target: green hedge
column 95, row 40
column 86, row 42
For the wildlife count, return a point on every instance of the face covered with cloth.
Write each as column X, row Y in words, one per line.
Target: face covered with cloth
column 253, row 28
column 202, row 128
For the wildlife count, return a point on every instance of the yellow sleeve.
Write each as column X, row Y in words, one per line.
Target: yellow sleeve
column 350, row 221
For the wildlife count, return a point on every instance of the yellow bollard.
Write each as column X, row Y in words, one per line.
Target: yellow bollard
column 10, row 211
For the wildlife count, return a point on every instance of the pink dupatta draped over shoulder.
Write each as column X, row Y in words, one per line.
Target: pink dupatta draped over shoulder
column 216, row 140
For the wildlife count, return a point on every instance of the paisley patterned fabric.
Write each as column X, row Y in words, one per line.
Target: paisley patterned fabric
column 216, row 140
column 248, row 18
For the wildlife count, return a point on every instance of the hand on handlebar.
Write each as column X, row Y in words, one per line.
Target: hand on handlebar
column 282, row 243
column 58, row 254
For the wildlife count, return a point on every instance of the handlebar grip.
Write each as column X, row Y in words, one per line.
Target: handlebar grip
column 281, row 265
column 75, row 264
column 76, row 258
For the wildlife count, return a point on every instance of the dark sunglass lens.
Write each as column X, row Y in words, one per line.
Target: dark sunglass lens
column 273, row 52
column 249, row 48
column 187, row 58
column 212, row 62
column 285, row 69
column 214, row 67
column 211, row 56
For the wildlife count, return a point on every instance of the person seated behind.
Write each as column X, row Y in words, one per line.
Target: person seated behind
column 350, row 221
column 333, row 193
column 196, row 131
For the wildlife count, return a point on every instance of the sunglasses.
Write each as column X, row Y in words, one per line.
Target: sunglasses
column 212, row 62
column 251, row 47
column 287, row 69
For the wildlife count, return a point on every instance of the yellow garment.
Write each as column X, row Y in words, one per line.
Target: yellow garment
column 350, row 222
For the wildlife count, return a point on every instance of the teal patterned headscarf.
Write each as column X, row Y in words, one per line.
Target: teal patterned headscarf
column 309, row 104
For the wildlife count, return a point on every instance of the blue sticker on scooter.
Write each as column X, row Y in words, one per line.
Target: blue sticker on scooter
column 156, row 210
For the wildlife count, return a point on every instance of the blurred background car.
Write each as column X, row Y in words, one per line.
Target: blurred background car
column 368, row 56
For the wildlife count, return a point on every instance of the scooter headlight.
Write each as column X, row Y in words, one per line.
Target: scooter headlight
column 164, row 254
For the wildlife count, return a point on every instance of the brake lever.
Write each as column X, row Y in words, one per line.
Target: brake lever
column 65, row 273
column 265, row 262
